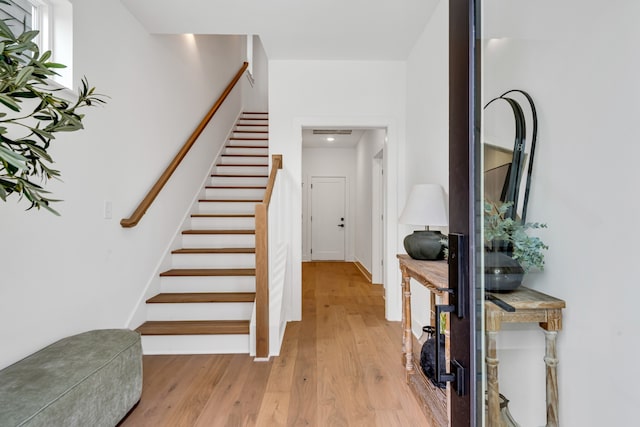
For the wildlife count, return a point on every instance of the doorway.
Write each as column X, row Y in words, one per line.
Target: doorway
column 328, row 218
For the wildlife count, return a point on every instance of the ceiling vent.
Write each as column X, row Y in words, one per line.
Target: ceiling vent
column 332, row 131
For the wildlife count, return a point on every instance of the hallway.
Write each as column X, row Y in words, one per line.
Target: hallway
column 340, row 366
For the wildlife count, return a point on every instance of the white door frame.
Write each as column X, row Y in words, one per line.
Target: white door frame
column 377, row 218
column 393, row 163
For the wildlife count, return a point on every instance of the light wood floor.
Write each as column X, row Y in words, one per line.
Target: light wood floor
column 340, row 366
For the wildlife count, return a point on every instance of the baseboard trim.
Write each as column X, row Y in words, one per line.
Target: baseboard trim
column 363, row 271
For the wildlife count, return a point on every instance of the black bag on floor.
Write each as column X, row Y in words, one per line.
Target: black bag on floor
column 428, row 356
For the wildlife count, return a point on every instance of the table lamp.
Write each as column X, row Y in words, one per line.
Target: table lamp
column 425, row 206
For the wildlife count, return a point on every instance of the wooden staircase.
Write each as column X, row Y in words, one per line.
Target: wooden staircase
column 207, row 297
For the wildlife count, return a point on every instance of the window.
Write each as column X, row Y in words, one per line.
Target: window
column 53, row 18
column 18, row 12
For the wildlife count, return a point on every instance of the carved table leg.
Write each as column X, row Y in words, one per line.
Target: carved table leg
column 493, row 393
column 551, row 361
column 407, row 339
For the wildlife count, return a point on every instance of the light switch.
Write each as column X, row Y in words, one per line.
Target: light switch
column 107, row 209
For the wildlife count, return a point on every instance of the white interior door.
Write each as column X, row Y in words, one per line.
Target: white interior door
column 328, row 218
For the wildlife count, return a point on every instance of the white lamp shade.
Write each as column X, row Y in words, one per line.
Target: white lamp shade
column 425, row 206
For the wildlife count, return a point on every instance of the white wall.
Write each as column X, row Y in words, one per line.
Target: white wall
column 256, row 97
column 334, row 162
column 582, row 74
column 63, row 275
column 427, row 155
column 337, row 93
column 372, row 142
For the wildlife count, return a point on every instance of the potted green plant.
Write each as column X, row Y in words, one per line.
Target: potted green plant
column 31, row 112
column 510, row 251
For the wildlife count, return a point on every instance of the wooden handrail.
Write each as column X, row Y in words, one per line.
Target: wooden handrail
column 262, row 262
column 137, row 215
column 276, row 163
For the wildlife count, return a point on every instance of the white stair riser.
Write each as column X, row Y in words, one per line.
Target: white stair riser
column 200, row 311
column 238, row 181
column 245, row 142
column 195, row 344
column 234, row 193
column 251, row 121
column 227, row 207
column 207, row 284
column 262, row 131
column 246, row 151
column 213, row 260
column 255, row 114
column 250, row 133
column 243, row 160
column 218, row 240
column 224, row 223
column 241, row 170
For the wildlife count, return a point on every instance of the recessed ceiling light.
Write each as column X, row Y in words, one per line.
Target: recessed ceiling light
column 331, row 139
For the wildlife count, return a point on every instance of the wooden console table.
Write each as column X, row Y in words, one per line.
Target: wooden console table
column 433, row 275
column 528, row 306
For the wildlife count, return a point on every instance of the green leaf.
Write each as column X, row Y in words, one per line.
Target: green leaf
column 7, row 101
column 43, row 134
column 45, row 56
column 27, row 36
column 25, row 94
column 14, row 159
column 23, row 76
column 40, row 152
column 5, row 31
column 54, row 65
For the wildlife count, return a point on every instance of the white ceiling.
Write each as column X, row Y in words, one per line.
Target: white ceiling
column 298, row 29
column 340, row 141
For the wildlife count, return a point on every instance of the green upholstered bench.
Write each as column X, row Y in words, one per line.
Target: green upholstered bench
column 91, row 379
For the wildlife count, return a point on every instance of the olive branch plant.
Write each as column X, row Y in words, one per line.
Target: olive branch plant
column 31, row 112
column 500, row 229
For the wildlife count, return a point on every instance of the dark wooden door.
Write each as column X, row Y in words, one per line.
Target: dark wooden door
column 464, row 126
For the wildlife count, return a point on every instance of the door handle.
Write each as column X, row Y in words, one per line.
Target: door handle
column 457, row 374
column 341, row 225
column 457, row 306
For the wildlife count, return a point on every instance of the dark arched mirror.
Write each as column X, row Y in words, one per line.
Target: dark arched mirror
column 510, row 131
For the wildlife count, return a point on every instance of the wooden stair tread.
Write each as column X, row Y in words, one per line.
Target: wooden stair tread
column 202, row 297
column 230, row 200
column 243, row 165
column 254, row 187
column 219, row 232
column 230, row 215
column 251, row 124
column 208, row 272
column 246, row 146
column 245, row 155
column 221, row 175
column 251, row 131
column 215, row 251
column 195, row 327
column 248, row 139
